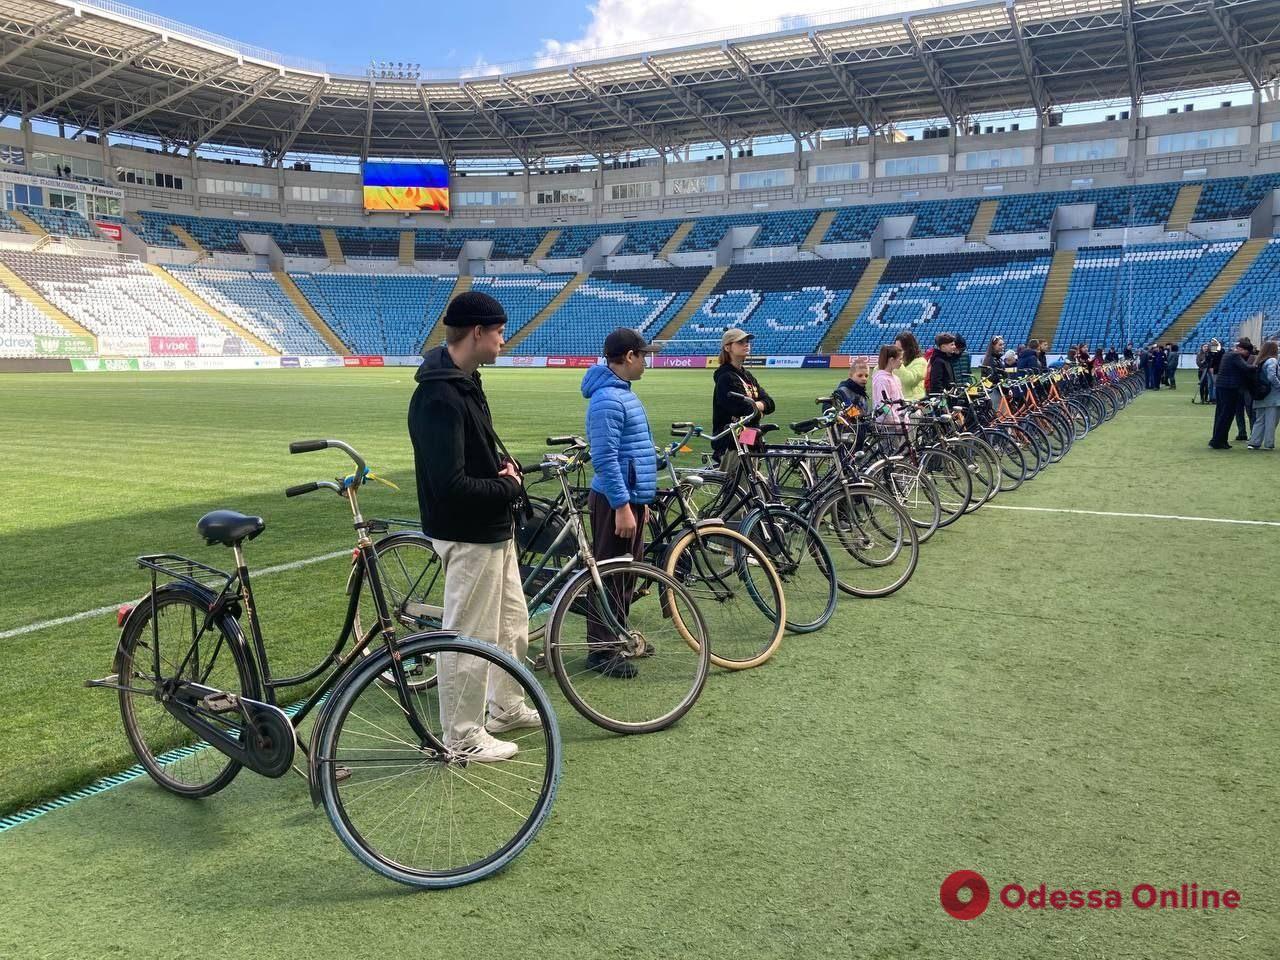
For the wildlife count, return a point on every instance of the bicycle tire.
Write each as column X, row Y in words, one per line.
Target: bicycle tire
column 570, row 661
column 953, row 482
column 687, row 561
column 170, row 749
column 914, row 492
column 801, row 560
column 844, row 520
column 337, row 792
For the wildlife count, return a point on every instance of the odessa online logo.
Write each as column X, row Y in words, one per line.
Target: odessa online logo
column 966, row 895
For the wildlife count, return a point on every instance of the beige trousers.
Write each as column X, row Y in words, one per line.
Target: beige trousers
column 483, row 600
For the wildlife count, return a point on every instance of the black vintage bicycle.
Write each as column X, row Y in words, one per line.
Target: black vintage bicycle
column 626, row 641
column 416, row 791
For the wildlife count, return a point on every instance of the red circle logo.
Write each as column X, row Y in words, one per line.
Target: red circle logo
column 979, row 894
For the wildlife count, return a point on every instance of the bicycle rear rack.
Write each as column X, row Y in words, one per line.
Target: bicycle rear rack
column 187, row 570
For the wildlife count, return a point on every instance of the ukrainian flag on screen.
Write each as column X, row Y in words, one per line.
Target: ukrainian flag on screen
column 406, row 187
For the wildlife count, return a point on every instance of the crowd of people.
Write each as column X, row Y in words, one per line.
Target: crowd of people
column 1243, row 384
column 470, row 489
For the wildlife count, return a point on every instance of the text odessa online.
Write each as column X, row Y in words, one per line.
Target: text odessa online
column 1144, row 896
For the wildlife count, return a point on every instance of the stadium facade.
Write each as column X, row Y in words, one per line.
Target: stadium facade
column 632, row 180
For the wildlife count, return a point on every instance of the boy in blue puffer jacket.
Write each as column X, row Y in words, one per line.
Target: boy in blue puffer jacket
column 626, row 475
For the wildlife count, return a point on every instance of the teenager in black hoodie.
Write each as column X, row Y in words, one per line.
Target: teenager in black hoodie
column 467, row 489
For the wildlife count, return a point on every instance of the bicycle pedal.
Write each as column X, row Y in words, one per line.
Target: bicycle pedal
column 218, row 702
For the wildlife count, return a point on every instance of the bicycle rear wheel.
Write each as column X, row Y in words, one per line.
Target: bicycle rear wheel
column 647, row 677
column 737, row 591
column 872, row 541
column 915, row 492
column 417, row 815
column 803, row 563
column 953, row 482
column 172, row 754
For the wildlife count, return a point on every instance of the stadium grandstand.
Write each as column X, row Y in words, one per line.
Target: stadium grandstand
column 1101, row 171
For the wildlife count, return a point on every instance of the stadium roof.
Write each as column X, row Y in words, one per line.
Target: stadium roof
column 102, row 66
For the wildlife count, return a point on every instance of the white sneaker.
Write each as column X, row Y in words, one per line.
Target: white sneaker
column 517, row 718
column 482, row 748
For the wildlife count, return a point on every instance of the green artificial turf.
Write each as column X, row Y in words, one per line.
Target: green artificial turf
column 1080, row 700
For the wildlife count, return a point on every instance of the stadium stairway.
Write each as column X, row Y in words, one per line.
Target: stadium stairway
column 332, row 248
column 436, row 336
column 693, row 304
column 818, row 231
column 1049, row 313
column 1227, row 277
column 307, row 310
column 20, row 288
column 674, row 241
column 27, row 224
column 549, row 310
column 544, row 246
column 187, row 240
column 206, row 308
column 1184, row 208
column 982, row 221
column 407, row 238
column 854, row 306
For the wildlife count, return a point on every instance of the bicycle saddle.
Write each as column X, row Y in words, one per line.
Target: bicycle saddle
column 228, row 527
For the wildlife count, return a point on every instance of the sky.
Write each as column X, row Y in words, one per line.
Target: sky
column 468, row 40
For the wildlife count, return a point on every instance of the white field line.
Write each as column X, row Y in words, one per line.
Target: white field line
column 281, row 568
column 1140, row 516
column 111, row 607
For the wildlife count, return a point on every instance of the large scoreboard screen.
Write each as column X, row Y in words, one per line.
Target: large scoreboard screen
column 406, row 187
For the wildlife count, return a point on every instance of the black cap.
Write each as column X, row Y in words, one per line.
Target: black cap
column 1245, row 344
column 474, row 308
column 622, row 340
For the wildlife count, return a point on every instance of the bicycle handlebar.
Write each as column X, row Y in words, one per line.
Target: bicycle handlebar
column 314, row 485
column 308, row 446
column 566, row 441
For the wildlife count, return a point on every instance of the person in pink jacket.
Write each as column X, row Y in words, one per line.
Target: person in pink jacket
column 885, row 386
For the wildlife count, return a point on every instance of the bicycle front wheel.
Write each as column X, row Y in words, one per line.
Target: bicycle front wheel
column 803, row 563
column 631, row 655
column 417, row 814
column 737, row 591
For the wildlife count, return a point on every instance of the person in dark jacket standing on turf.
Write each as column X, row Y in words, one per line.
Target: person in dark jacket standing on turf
column 737, row 394
column 1233, row 376
column 626, row 475
column 467, row 489
column 942, row 376
column 1029, row 359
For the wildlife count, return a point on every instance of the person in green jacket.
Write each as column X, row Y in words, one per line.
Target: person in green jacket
column 911, row 373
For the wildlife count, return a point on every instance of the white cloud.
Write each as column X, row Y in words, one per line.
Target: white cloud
column 622, row 22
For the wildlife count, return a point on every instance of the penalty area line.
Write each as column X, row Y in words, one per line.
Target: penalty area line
column 112, row 607
column 1139, row 516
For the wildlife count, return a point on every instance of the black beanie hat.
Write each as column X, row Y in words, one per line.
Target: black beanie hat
column 474, row 308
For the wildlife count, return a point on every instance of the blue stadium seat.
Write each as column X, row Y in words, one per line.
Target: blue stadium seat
column 1258, row 291
column 787, row 306
column 974, row 295
column 378, row 313
column 641, row 299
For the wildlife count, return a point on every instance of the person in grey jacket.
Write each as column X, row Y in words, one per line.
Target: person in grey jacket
column 1263, row 435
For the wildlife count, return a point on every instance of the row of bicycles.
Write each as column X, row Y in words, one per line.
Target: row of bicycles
column 735, row 560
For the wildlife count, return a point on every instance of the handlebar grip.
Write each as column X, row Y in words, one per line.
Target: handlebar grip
column 561, row 441
column 302, row 488
column 804, row 426
column 824, row 401
column 308, row 446
column 682, row 425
